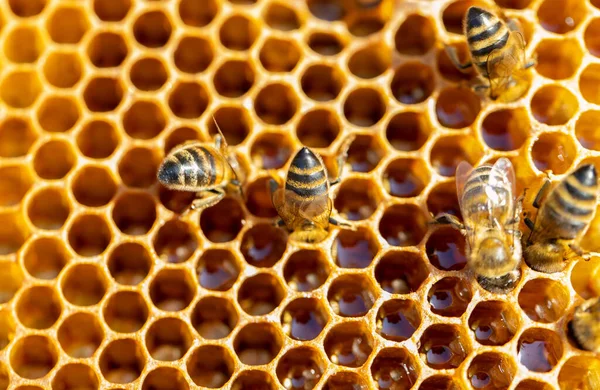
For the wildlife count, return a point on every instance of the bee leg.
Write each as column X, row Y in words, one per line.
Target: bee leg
column 541, row 193
column 453, row 55
column 216, row 195
column 239, row 187
column 335, row 222
column 448, row 219
column 529, row 223
column 578, row 251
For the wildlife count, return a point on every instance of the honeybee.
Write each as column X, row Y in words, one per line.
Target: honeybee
column 210, row 171
column 491, row 219
column 586, row 325
column 304, row 205
column 497, row 53
column 566, row 212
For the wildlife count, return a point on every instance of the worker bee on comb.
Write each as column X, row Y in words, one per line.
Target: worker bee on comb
column 491, row 219
column 497, row 50
column 210, row 171
column 585, row 326
column 303, row 204
column 567, row 210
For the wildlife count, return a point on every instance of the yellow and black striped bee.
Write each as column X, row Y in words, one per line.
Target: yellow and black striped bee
column 304, row 205
column 208, row 170
column 585, row 326
column 566, row 212
column 491, row 218
column 497, row 53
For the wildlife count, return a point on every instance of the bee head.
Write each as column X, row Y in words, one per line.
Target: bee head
column 493, row 258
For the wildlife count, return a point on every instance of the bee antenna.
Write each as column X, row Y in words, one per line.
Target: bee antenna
column 220, row 132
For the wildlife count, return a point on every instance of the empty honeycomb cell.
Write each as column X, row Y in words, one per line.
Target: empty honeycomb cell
column 365, row 153
column 354, row 248
column 175, row 242
column 223, row 221
column 16, row 137
column 348, row 344
column 454, row 13
column 443, row 346
column 394, row 368
column 135, row 174
column 28, row 388
column 195, row 14
column 20, row 88
column 84, row 284
column 260, row 294
column 449, row 151
column 416, row 35
column 397, row 319
column 318, row 128
column 181, row 136
column 7, row 328
column 80, row 335
column 94, row 186
column 172, row 290
column 351, row 295
column 98, row 139
column 125, row 311
column 107, row 49
column 408, row 131
column 364, row 107
column 325, row 43
column 345, row 380
column 38, row 307
column 514, row 4
column 263, row 245
column 257, row 343
column 306, row 270
column 168, row 339
column 591, row 37
column 554, row 105
column 304, row 319
column 4, row 377
column 506, row 129
column 152, row 29
column 445, row 249
column 457, row 107
column 122, row 361
column 33, row 356
column 276, row 104
column 11, row 278
column 403, row 225
column 48, row 208
column 491, row 370
column 148, row 74
column 217, row 269
column 589, row 83
column 278, row 16
column 45, row 257
column 401, row 272
column 234, row 78
column 75, row 376
column 253, row 379
column 166, row 378
column 58, row 114
column 214, row 317
column 23, row 44
column 587, row 130
column 544, row 300
column 103, row 94
column 449, row 297
column 553, row 151
column 129, row 263
column 539, row 350
column 15, row 182
column 193, row 55
column 280, row 55
column 63, row 69
column 54, row 159
column 89, row 235
column 27, row 8
column 300, row 368
column 13, row 232
column 144, row 120
column 238, row 32
column 582, row 277
column 405, row 178
column 67, row 24
column 357, row 199
column 328, row 10
column 580, row 372
column 188, row 100
column 233, row 121
column 413, row 83
column 558, row 59
column 443, row 199
column 370, row 61
column 493, row 322
column 446, row 67
column 210, row 366
column 270, row 150
column 439, row 382
column 561, row 17
column 111, row 10
column 175, row 201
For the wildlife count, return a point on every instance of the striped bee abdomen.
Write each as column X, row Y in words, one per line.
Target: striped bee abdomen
column 485, row 33
column 191, row 168
column 307, row 177
column 481, row 183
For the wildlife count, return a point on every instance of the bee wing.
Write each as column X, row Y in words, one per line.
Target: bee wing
column 501, row 176
column 505, row 177
column 462, row 174
column 502, row 63
column 317, row 210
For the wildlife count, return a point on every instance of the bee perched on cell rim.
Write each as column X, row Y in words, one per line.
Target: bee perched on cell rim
column 210, row 171
column 585, row 326
column 303, row 204
column 491, row 223
column 497, row 51
column 566, row 212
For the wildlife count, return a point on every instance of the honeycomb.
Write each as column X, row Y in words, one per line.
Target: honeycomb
column 104, row 285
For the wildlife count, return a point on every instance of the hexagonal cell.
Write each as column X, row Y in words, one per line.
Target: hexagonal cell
column 544, row 300
column 348, row 344
column 304, row 319
column 306, row 270
column 446, row 67
column 445, row 249
column 403, row 225
column 129, row 263
column 23, row 44
column 553, row 151
column 357, row 199
column 175, row 242
column 166, row 378
column 260, row 294
column 168, row 339
column 439, row 382
column 533, row 384
column 416, row 35
column 413, row 83
column 449, row 151
column 94, row 186
column 554, row 105
column 135, row 174
column 15, row 182
column 7, row 328
column 590, row 37
column 449, row 297
column 217, row 269
column 364, row 107
column 582, row 277
column 98, row 139
column 214, row 317
column 125, row 311
column 493, row 322
column 89, row 235
column 401, row 272
column 280, row 55
column 258, row 343
column 354, row 248
column 180, row 136
column 238, row 32
column 172, row 290
column 325, row 43
column 193, row 54
column 269, row 150
column 263, row 245
column 579, row 372
column 144, row 120
column 318, row 128
column 103, row 94
column 234, row 78
column 75, row 376
column 27, row 8
column 16, row 137
column 398, row 319
column 364, row 153
column 443, row 199
column 152, row 29
column 443, row 347
column 539, row 349
column 148, row 74
column 67, row 24
column 589, row 83
column 457, row 107
column 54, row 159
column 276, row 104
column 394, row 368
column 58, row 114
column 300, row 368
column 111, row 10
column 11, row 279
column 563, row 18
column 558, row 59
column 175, row 201
column 107, row 49
column 506, row 129
column 408, row 131
column 587, row 130
column 491, row 369
column 345, row 380
column 351, row 295
column 84, row 284
column 45, row 257
column 223, row 221
column 211, row 366
column 405, row 178
column 234, row 122
column 514, row 4
column 322, row 82
column 254, row 379
column 63, row 69
column 20, row 89
column 4, row 376
column 33, row 356
column 13, row 232
column 188, row 100
column 328, row 10
column 80, row 335
column 122, row 361
column 38, row 307
column 281, row 17
column 195, row 14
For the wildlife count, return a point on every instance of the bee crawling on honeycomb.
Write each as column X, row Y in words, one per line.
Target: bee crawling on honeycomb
column 491, row 219
column 586, row 325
